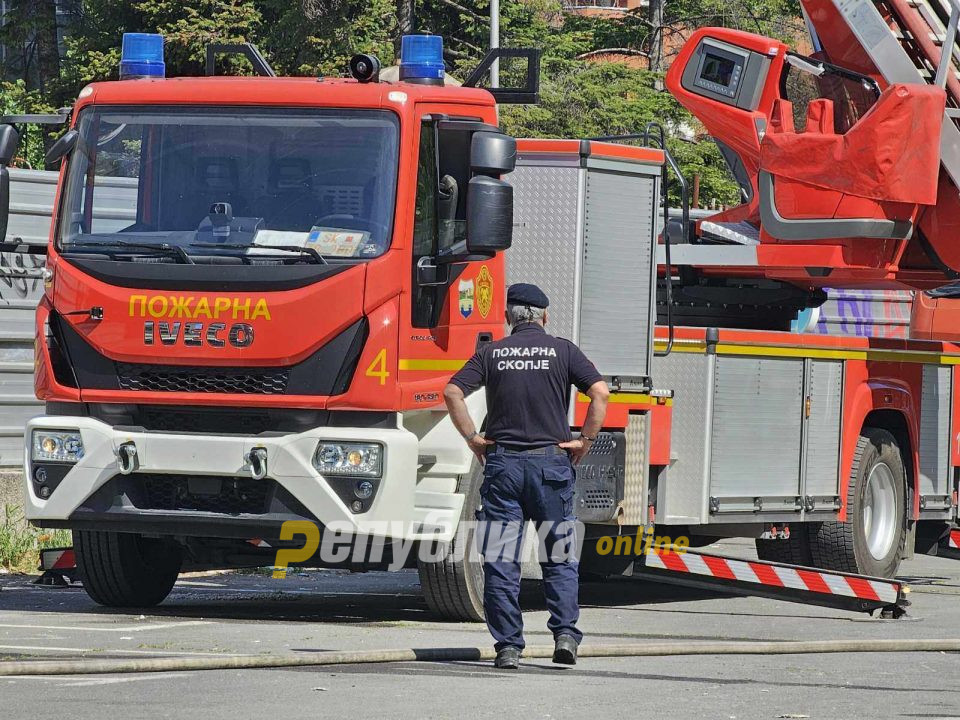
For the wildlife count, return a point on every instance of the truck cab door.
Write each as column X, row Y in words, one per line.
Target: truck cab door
column 452, row 305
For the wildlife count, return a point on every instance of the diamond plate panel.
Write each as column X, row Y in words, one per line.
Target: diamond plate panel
column 635, row 476
column 546, row 237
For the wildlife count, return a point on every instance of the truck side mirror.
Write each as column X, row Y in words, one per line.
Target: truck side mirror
column 489, row 199
column 62, row 147
column 9, row 142
column 492, row 153
column 489, row 215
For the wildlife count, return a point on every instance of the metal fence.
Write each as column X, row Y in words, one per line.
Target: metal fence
column 31, row 200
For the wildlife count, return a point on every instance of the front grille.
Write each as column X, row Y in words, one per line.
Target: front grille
column 234, row 421
column 177, row 378
column 208, row 493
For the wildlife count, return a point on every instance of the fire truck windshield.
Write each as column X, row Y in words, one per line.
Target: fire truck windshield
column 284, row 185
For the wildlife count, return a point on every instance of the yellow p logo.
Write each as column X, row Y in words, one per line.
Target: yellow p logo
column 289, row 555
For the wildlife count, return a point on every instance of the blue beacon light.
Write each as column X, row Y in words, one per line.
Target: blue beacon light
column 142, row 56
column 421, row 59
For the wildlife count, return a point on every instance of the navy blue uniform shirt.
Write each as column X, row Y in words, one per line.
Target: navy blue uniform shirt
column 527, row 377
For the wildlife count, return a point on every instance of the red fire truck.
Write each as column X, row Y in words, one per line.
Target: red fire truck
column 257, row 288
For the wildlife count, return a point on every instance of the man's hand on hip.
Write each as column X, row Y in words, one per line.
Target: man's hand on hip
column 479, row 444
column 453, row 396
column 577, row 448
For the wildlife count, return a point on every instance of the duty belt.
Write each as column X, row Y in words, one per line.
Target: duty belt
column 507, row 450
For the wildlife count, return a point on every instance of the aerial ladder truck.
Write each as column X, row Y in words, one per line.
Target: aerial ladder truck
column 848, row 162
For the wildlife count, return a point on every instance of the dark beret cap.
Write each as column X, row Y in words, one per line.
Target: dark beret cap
column 526, row 294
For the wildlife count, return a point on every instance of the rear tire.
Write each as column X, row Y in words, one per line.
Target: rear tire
column 871, row 541
column 453, row 587
column 125, row 569
column 794, row 550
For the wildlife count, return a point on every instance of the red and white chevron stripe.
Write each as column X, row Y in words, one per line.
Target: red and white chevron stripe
column 816, row 581
column 58, row 559
column 953, row 542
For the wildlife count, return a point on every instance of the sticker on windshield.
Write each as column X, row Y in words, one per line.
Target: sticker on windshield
column 281, row 237
column 334, row 242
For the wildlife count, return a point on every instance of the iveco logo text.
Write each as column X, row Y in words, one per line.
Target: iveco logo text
column 196, row 334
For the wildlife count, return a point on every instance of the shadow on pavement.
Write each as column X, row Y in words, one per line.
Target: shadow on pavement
column 334, row 597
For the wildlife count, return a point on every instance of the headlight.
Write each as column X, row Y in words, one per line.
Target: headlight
column 57, row 445
column 354, row 459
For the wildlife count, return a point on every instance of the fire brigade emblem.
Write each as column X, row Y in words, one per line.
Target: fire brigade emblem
column 466, row 298
column 484, row 291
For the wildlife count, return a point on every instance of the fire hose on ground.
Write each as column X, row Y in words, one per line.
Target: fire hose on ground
column 92, row 666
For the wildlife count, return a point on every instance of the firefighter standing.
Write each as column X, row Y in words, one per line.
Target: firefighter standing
column 529, row 456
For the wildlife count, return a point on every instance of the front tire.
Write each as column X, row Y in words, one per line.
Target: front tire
column 125, row 569
column 871, row 541
column 453, row 586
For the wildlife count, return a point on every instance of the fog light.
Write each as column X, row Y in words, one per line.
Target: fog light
column 352, row 459
column 57, row 445
column 364, row 489
column 40, row 474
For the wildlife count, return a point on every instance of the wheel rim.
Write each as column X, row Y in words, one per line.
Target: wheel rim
column 880, row 511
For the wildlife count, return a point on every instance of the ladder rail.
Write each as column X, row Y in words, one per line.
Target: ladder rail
column 949, row 41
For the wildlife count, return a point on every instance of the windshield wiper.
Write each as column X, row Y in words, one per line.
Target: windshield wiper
column 119, row 245
column 308, row 252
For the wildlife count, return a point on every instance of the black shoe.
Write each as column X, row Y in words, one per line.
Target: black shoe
column 565, row 650
column 508, row 658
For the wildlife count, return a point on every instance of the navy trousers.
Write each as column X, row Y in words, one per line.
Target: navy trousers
column 518, row 487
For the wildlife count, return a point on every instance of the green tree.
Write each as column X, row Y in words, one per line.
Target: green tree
column 16, row 99
column 29, row 32
column 188, row 26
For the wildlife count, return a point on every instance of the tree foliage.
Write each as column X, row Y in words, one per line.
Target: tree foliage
column 580, row 98
column 16, row 99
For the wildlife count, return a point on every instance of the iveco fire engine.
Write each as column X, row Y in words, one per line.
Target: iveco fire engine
column 255, row 291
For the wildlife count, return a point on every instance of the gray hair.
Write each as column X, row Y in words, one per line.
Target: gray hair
column 518, row 314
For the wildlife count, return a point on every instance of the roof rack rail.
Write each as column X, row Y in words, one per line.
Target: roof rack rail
column 53, row 119
column 248, row 50
column 529, row 94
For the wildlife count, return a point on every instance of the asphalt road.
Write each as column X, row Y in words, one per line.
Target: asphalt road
column 322, row 610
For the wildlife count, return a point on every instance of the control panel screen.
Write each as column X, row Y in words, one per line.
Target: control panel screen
column 726, row 73
column 720, row 71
